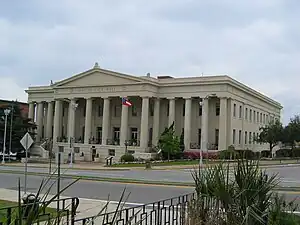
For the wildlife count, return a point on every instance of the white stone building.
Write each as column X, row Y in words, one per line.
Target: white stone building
column 213, row 112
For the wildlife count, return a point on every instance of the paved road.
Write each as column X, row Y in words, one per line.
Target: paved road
column 289, row 176
column 99, row 190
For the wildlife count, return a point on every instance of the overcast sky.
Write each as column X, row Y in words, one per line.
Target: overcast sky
column 254, row 41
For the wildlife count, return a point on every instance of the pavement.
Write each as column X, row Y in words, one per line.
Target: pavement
column 102, row 166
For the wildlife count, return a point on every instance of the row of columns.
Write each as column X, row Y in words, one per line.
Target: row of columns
column 124, row 121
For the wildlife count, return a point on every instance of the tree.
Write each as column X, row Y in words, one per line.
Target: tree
column 291, row 133
column 272, row 133
column 169, row 143
column 20, row 126
column 181, row 141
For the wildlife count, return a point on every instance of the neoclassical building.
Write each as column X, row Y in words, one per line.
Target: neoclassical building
column 85, row 112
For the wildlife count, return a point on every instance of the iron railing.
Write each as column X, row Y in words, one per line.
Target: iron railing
column 63, row 210
column 169, row 211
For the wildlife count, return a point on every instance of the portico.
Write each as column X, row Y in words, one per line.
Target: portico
column 86, row 109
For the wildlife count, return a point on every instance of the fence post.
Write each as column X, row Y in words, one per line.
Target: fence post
column 73, row 211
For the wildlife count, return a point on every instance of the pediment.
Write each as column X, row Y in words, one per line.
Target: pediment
column 98, row 77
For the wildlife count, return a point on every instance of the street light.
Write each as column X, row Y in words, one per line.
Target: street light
column 72, row 139
column 201, row 155
column 126, row 143
column 6, row 112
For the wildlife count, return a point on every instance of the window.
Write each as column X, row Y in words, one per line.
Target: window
column 233, row 136
column 134, row 133
column 264, row 119
column 250, row 115
column 99, row 134
column 254, row 137
column 100, row 111
column 199, row 138
column 234, row 110
column 168, row 108
column 250, row 137
column 267, row 118
column 200, row 110
column 246, row 113
column 183, row 109
column 216, row 136
column 217, row 109
column 240, row 112
column 254, row 116
column 240, row 136
column 117, row 111
column 151, row 109
column 116, row 133
column 245, row 137
column 257, row 117
column 84, row 111
column 260, row 118
column 133, row 110
column 63, row 111
column 111, row 152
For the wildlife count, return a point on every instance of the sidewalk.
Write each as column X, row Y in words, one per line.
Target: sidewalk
column 86, row 208
column 101, row 166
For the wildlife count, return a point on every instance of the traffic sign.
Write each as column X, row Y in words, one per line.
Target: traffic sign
column 26, row 141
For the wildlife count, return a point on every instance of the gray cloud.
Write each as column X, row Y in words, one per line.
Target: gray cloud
column 254, row 41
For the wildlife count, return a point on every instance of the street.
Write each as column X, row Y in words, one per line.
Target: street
column 139, row 193
column 289, row 175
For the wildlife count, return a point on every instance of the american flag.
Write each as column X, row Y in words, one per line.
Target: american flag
column 125, row 101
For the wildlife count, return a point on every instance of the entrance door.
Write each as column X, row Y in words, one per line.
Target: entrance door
column 99, row 135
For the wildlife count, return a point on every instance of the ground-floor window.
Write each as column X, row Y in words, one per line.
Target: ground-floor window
column 199, row 138
column 116, row 133
column 134, row 133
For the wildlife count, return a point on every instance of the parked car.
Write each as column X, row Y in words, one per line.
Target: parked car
column 196, row 154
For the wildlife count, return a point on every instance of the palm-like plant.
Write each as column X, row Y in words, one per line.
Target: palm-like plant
column 242, row 195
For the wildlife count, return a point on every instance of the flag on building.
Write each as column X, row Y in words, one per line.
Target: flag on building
column 125, row 101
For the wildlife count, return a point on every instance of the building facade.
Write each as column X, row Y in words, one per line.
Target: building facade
column 212, row 112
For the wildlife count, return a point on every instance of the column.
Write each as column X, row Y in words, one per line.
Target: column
column 222, row 145
column 106, row 120
column 187, row 123
column 144, row 138
column 156, row 115
column 31, row 111
column 71, row 118
column 57, row 120
column 88, row 120
column 204, row 125
column 171, row 111
column 39, row 121
column 49, row 120
column 124, row 125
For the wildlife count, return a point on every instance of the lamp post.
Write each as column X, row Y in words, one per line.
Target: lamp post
column 6, row 112
column 72, row 139
column 126, row 143
column 201, row 103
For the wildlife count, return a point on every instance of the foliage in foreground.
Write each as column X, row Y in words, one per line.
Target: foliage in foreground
column 244, row 196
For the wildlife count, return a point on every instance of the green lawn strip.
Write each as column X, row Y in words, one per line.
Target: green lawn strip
column 49, row 212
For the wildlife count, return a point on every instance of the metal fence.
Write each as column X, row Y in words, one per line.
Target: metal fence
column 62, row 210
column 169, row 211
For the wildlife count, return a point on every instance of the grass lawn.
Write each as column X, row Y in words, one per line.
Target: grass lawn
column 4, row 204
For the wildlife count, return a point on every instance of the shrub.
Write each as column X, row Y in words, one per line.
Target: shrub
column 127, row 158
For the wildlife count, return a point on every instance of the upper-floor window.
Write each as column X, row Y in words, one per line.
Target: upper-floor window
column 240, row 112
column 257, row 117
column 200, row 110
column 250, row 137
column 240, row 136
column 245, row 137
column 217, row 109
column 234, row 110
column 233, row 136
column 250, row 115
column 183, row 109
column 267, row 118
column 260, row 118
column 254, row 116
column 100, row 110
column 246, row 113
column 133, row 110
